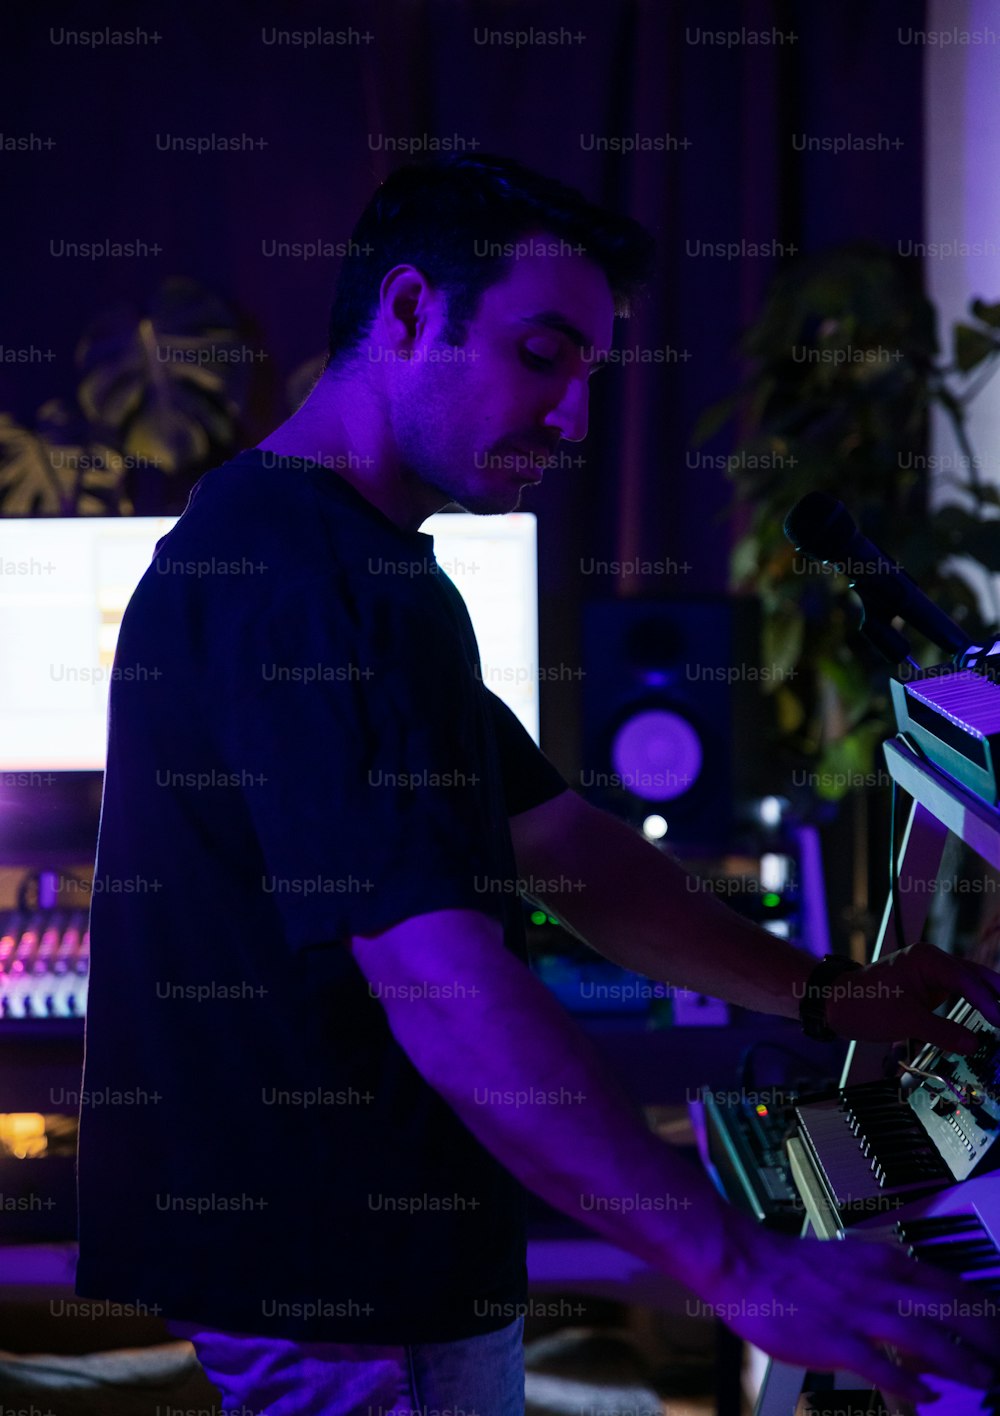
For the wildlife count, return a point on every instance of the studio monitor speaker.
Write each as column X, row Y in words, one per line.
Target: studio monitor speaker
column 675, row 718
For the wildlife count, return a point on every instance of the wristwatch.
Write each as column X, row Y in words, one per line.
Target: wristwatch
column 812, row 1007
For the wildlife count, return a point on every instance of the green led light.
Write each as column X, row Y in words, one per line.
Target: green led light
column 770, row 899
column 538, row 916
column 553, row 920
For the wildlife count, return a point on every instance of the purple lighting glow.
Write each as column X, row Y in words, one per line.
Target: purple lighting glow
column 657, row 754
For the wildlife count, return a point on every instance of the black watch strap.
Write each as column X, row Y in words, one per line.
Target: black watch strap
column 812, row 1005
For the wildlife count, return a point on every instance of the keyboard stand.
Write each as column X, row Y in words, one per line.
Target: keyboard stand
column 939, row 806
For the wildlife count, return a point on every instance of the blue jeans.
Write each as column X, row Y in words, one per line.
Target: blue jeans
column 270, row 1376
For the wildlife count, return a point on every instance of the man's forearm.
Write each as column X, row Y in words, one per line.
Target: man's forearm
column 636, row 906
column 531, row 1087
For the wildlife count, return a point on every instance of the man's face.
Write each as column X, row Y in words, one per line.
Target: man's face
column 478, row 422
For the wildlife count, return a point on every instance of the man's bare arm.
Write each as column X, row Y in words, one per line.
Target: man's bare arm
column 637, row 907
column 487, row 1036
column 529, row 1084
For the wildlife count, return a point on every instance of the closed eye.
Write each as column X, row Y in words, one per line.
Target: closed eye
column 535, row 361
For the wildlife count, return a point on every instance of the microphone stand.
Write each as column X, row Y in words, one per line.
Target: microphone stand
column 876, row 624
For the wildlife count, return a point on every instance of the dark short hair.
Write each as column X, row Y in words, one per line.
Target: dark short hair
column 439, row 215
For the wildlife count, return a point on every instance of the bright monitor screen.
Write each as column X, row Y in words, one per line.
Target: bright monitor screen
column 65, row 582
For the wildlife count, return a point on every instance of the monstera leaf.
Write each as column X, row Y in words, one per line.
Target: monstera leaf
column 99, row 487
column 30, row 485
column 165, row 386
column 43, row 474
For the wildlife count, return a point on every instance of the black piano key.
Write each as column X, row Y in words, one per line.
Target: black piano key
column 956, row 1263
column 939, row 1224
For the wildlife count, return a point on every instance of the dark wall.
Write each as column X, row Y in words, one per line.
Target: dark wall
column 736, row 115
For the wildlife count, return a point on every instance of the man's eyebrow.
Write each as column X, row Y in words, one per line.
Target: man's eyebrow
column 552, row 319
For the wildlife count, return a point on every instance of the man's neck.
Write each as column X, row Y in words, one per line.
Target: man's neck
column 338, row 428
column 407, row 511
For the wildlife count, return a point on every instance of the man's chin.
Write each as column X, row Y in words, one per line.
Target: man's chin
column 496, row 504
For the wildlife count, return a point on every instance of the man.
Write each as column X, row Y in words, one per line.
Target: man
column 319, row 1014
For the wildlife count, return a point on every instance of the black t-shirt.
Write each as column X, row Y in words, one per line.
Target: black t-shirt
column 300, row 748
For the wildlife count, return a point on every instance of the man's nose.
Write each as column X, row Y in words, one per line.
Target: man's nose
column 571, row 414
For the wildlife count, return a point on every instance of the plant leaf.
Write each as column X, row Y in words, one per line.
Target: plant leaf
column 30, row 485
column 166, row 384
column 972, row 346
column 989, row 314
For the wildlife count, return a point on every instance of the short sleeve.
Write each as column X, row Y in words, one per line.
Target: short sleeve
column 529, row 778
column 358, row 730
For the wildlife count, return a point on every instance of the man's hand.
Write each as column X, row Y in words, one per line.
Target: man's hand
column 831, row 1305
column 895, row 998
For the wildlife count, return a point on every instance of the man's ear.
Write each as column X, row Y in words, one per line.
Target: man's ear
column 404, row 300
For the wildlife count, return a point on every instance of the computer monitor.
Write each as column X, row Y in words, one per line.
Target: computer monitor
column 65, row 582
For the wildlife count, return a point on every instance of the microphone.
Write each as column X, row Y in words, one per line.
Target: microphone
column 822, row 528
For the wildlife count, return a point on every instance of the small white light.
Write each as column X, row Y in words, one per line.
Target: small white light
column 654, row 828
column 775, row 871
column 770, row 810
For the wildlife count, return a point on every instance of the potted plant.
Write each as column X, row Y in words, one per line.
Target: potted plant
column 844, row 371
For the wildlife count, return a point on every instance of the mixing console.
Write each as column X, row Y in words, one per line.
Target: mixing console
column 44, row 963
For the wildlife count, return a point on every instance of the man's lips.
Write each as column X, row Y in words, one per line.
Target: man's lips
column 536, row 459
